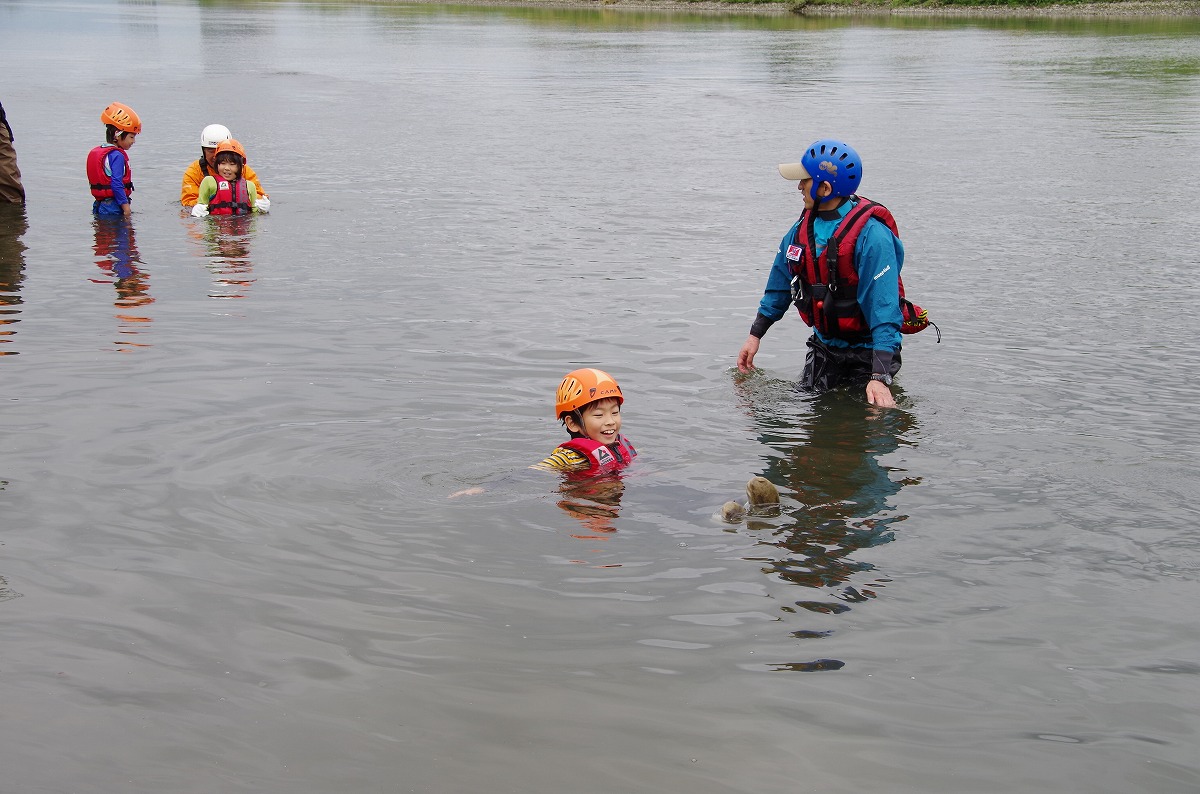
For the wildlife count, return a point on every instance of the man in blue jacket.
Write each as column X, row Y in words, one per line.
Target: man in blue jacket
column 840, row 264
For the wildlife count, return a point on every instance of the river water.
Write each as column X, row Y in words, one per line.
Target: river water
column 228, row 557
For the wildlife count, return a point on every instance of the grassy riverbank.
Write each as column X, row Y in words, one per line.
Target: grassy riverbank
column 1120, row 7
column 968, row 8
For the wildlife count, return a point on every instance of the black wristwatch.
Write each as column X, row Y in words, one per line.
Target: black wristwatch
column 886, row 380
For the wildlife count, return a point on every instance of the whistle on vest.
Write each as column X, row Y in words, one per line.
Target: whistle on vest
column 821, row 295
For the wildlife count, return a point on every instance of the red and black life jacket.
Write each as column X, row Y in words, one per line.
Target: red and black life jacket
column 601, row 457
column 101, row 182
column 232, row 198
column 825, row 288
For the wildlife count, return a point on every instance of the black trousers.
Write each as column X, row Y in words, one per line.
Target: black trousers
column 827, row 367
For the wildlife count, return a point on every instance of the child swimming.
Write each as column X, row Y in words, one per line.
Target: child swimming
column 588, row 403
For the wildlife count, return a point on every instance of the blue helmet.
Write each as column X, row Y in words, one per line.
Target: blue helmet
column 836, row 163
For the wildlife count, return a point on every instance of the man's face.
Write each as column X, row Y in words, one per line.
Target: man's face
column 805, row 188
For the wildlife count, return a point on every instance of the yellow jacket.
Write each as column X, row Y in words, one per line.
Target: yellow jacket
column 189, row 191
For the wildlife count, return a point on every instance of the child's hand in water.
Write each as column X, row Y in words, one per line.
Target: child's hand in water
column 466, row 492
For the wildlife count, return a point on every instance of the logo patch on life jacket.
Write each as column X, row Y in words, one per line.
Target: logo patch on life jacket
column 605, row 456
column 794, row 252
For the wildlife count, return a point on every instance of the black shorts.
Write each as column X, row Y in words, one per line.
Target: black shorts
column 828, row 367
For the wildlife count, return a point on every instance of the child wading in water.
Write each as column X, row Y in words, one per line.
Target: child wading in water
column 589, row 404
column 229, row 193
column 109, row 175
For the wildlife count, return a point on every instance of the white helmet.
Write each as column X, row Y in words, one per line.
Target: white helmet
column 214, row 134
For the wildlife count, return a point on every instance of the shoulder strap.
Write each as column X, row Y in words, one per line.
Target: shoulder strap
column 834, row 246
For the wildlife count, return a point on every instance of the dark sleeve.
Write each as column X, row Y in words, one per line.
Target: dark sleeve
column 760, row 325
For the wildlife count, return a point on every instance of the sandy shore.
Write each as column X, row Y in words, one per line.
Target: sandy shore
column 1129, row 8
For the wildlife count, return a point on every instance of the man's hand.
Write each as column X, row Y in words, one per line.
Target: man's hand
column 745, row 361
column 879, row 394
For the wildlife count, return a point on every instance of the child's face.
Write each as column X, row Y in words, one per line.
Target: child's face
column 227, row 168
column 601, row 421
column 125, row 139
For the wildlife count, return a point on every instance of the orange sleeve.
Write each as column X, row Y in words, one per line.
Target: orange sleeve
column 249, row 174
column 189, row 191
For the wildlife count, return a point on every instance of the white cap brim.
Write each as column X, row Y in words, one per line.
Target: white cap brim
column 793, row 171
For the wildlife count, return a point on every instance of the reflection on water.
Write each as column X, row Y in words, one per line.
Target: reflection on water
column 1059, row 25
column 12, row 271
column 828, row 457
column 249, row 579
column 595, row 503
column 117, row 256
column 225, row 243
column 6, row 592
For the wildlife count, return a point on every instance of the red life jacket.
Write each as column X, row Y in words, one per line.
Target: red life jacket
column 232, row 198
column 601, row 457
column 825, row 288
column 101, row 182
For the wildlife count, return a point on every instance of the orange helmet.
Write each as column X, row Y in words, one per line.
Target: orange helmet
column 584, row 386
column 232, row 146
column 122, row 117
